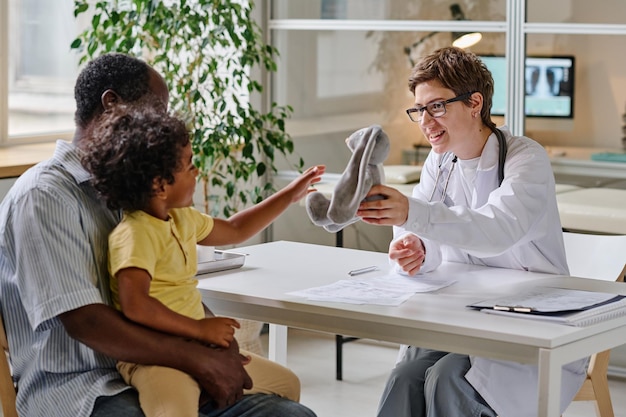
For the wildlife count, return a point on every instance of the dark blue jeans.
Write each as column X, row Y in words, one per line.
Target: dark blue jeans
column 126, row 404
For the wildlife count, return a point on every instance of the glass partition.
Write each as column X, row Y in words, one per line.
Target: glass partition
column 576, row 11
column 386, row 9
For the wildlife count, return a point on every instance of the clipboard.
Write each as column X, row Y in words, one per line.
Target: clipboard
column 548, row 300
column 560, row 305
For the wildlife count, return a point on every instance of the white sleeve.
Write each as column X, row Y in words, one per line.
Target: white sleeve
column 512, row 214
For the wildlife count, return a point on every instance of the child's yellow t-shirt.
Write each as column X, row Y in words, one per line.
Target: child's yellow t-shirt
column 166, row 249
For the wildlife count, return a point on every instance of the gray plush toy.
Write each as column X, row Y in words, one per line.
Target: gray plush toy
column 370, row 147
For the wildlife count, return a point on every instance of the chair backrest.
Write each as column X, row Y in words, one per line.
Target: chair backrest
column 7, row 387
column 600, row 257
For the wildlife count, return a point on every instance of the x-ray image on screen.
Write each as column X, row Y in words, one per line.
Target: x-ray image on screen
column 546, row 80
column 549, row 85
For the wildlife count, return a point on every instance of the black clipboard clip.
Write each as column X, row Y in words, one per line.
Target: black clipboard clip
column 516, row 309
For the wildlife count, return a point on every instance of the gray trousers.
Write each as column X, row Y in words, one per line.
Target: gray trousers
column 429, row 383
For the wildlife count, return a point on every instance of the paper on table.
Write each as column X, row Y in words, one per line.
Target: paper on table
column 353, row 292
column 390, row 290
column 413, row 284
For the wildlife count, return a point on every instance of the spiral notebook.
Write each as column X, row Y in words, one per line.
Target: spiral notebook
column 559, row 305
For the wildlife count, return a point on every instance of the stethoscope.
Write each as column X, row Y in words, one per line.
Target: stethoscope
column 501, row 160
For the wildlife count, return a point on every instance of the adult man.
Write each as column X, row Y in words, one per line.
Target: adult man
column 64, row 337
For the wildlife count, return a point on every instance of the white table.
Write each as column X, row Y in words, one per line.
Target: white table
column 431, row 320
column 576, row 160
column 599, row 210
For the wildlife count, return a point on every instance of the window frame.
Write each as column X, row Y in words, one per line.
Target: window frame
column 27, row 138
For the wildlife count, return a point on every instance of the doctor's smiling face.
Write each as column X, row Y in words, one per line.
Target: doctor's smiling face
column 445, row 118
column 453, row 91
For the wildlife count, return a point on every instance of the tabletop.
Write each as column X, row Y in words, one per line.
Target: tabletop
column 274, row 269
column 438, row 320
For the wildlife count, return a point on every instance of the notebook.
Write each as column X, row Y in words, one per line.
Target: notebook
column 559, row 305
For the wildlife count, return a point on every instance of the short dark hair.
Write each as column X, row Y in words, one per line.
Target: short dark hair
column 130, row 147
column 460, row 71
column 126, row 75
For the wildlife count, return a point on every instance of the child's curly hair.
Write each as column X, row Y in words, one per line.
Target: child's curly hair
column 128, row 148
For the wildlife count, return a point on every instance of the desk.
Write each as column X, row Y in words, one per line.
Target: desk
column 599, row 210
column 432, row 320
column 576, row 163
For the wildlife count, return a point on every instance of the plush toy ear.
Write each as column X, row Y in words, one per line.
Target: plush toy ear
column 317, row 208
column 353, row 186
column 371, row 143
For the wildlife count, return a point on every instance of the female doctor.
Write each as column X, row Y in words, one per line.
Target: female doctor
column 484, row 197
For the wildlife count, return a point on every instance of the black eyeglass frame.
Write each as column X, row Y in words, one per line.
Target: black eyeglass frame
column 420, row 110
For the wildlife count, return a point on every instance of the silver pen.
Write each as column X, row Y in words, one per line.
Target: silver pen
column 362, row 270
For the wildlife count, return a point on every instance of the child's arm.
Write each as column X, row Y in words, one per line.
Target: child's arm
column 249, row 222
column 138, row 306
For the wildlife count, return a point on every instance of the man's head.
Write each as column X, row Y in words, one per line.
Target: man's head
column 114, row 78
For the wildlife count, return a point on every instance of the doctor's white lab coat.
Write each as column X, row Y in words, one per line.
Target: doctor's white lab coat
column 515, row 225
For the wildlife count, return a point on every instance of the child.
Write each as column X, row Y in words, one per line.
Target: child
column 141, row 162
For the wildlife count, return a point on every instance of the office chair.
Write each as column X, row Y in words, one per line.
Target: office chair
column 599, row 257
column 7, row 387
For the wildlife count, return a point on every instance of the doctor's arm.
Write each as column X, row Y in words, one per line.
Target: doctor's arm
column 407, row 251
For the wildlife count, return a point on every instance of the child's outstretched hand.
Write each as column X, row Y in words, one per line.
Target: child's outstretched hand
column 219, row 331
column 299, row 187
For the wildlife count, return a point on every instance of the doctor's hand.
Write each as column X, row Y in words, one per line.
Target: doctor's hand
column 391, row 210
column 408, row 252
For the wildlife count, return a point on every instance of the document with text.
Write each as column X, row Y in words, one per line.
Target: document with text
column 391, row 289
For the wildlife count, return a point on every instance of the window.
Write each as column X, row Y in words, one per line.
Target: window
column 38, row 70
column 344, row 65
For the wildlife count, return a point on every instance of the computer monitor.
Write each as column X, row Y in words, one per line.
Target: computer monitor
column 549, row 85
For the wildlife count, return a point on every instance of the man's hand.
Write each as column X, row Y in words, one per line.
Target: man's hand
column 220, row 372
column 223, row 376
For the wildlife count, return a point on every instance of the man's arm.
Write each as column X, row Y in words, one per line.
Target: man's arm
column 219, row 371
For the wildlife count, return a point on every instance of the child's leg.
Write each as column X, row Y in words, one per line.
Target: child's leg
column 163, row 392
column 271, row 378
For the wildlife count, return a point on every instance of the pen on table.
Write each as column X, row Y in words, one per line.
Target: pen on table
column 362, row 270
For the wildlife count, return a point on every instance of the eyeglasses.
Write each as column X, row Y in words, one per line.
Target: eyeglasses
column 435, row 108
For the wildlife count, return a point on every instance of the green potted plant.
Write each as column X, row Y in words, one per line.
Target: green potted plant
column 205, row 49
